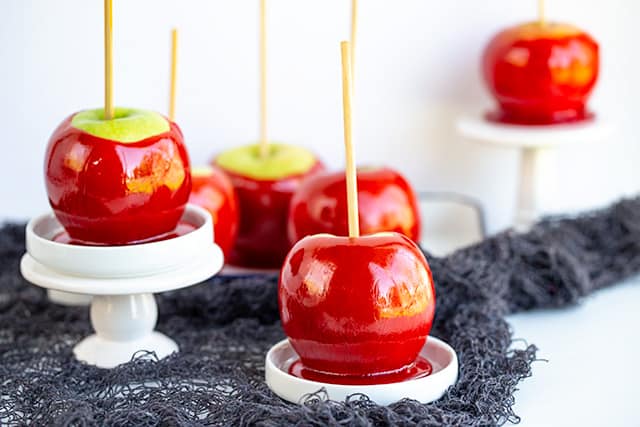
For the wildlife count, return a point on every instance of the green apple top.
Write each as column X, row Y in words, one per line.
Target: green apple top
column 281, row 161
column 128, row 125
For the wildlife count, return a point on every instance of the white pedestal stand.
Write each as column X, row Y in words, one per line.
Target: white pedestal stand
column 537, row 146
column 122, row 280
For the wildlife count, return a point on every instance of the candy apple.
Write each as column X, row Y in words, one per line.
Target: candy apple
column 264, row 187
column 212, row 190
column 541, row 73
column 386, row 202
column 356, row 306
column 117, row 181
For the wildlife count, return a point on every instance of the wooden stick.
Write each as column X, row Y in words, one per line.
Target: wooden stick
column 350, row 171
column 264, row 141
column 174, row 73
column 541, row 17
column 354, row 29
column 108, row 60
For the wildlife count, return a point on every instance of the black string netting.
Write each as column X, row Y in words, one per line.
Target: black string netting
column 225, row 326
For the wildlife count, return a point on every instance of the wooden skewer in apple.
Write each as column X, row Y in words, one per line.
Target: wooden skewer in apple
column 354, row 33
column 335, row 290
column 264, row 141
column 211, row 188
column 108, row 60
column 350, row 170
column 541, row 14
column 117, row 175
column 174, row 74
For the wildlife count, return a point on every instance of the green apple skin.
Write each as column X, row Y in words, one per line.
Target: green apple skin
column 264, row 187
column 125, row 190
column 281, row 161
column 128, row 124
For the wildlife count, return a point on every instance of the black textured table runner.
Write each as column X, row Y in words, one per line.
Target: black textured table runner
column 225, row 326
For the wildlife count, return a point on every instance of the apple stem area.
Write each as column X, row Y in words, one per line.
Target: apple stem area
column 352, row 183
column 541, row 15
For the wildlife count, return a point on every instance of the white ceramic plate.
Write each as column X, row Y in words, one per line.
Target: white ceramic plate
column 207, row 263
column 426, row 389
column 118, row 261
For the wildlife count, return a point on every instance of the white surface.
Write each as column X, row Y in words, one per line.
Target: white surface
column 593, row 369
column 537, row 145
column 110, row 262
column 417, row 69
column 426, row 389
column 199, row 269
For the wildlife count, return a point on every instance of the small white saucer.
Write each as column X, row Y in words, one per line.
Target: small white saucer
column 426, row 389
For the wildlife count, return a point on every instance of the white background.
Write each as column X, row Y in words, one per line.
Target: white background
column 417, row 70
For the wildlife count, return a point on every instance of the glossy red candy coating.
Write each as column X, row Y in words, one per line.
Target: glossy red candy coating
column 264, row 208
column 419, row 369
column 386, row 202
column 214, row 192
column 107, row 192
column 541, row 74
column 359, row 306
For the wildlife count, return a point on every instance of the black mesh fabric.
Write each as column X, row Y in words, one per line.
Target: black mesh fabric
column 225, row 326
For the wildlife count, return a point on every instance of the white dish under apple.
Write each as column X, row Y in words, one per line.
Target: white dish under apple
column 425, row 389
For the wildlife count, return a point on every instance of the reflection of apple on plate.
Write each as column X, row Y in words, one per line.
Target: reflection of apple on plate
column 541, row 73
column 264, row 187
column 212, row 190
column 356, row 306
column 117, row 181
column 386, row 202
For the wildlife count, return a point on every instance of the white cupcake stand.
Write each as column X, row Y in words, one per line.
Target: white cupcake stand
column 537, row 145
column 122, row 281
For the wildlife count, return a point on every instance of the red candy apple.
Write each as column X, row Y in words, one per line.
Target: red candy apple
column 212, row 190
column 264, row 187
column 117, row 181
column 541, row 73
column 356, row 306
column 386, row 202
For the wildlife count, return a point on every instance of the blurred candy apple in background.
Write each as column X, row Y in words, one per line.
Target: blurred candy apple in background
column 212, row 190
column 117, row 181
column 386, row 202
column 264, row 187
column 541, row 73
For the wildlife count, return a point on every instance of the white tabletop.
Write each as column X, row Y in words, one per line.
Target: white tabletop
column 593, row 366
column 593, row 349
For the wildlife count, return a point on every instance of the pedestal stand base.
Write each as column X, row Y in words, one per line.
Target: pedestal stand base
column 103, row 353
column 537, row 145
